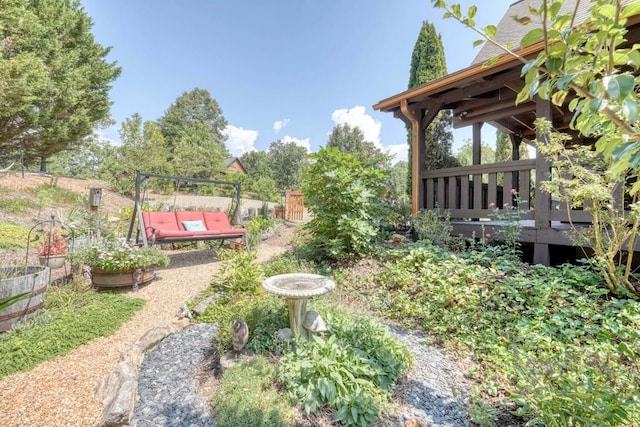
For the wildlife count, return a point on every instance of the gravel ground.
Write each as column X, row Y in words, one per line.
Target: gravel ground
column 434, row 391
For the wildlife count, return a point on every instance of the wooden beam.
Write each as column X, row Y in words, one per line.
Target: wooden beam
column 416, row 130
column 511, row 111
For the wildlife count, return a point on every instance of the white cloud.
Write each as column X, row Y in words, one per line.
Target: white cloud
column 357, row 117
column 400, row 152
column 239, row 140
column 306, row 143
column 280, row 124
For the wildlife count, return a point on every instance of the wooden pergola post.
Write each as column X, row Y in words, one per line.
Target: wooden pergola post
column 542, row 212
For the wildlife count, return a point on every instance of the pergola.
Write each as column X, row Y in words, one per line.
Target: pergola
column 486, row 94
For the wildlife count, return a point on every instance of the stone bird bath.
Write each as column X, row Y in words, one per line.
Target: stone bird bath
column 297, row 288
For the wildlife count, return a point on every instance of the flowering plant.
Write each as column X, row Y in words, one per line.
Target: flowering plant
column 120, row 256
column 54, row 245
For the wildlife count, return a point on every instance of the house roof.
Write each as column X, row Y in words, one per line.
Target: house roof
column 487, row 94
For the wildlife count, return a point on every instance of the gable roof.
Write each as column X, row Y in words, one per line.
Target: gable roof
column 512, row 31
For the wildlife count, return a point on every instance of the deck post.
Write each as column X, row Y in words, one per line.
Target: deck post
column 542, row 214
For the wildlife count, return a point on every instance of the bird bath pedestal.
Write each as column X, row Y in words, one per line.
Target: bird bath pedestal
column 297, row 288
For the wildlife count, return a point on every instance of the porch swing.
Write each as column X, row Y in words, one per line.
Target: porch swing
column 156, row 227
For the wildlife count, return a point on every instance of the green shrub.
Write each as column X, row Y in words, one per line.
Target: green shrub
column 554, row 336
column 285, row 263
column 256, row 227
column 239, row 272
column 344, row 196
column 352, row 370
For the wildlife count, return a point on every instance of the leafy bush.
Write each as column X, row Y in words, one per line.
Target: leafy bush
column 436, row 227
column 239, row 272
column 285, row 263
column 343, row 194
column 256, row 227
column 353, row 370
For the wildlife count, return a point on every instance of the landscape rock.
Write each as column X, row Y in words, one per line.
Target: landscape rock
column 201, row 307
column 118, row 391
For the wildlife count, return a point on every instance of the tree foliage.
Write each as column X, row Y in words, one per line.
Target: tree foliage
column 286, row 160
column 351, row 140
column 464, row 155
column 54, row 78
column 344, row 195
column 192, row 128
column 84, row 160
column 504, row 148
column 142, row 148
column 427, row 64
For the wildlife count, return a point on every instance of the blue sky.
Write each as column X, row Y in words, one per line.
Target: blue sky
column 280, row 69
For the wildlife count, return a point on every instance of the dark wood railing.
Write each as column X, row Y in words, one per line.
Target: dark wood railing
column 473, row 192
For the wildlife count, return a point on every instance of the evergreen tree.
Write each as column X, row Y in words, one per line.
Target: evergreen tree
column 504, row 148
column 427, row 64
column 54, row 78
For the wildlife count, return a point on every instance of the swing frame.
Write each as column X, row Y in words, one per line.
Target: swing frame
column 139, row 217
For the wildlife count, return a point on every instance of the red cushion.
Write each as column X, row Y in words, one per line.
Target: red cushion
column 162, row 234
column 188, row 216
column 159, row 221
column 216, row 221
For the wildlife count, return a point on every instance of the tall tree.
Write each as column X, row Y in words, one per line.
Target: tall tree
column 286, row 160
column 464, row 155
column 351, row 140
column 54, row 78
column 143, row 148
column 427, row 64
column 192, row 127
column 256, row 163
column 85, row 160
column 504, row 148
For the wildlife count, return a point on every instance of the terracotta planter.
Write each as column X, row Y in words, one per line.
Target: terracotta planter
column 279, row 212
column 17, row 281
column 118, row 279
column 53, row 261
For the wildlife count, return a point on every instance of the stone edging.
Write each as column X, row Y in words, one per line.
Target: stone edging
column 118, row 390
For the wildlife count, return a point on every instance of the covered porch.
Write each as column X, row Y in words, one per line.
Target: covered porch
column 478, row 95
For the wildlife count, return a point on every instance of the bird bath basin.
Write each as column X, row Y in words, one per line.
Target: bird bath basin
column 297, row 288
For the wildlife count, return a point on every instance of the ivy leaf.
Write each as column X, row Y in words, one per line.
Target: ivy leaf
column 631, row 10
column 623, row 149
column 630, row 110
column 563, row 82
column 478, row 42
column 558, row 97
column 619, row 87
column 531, row 37
column 490, row 30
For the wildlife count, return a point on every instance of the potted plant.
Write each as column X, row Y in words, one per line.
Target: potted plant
column 117, row 263
column 53, row 251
